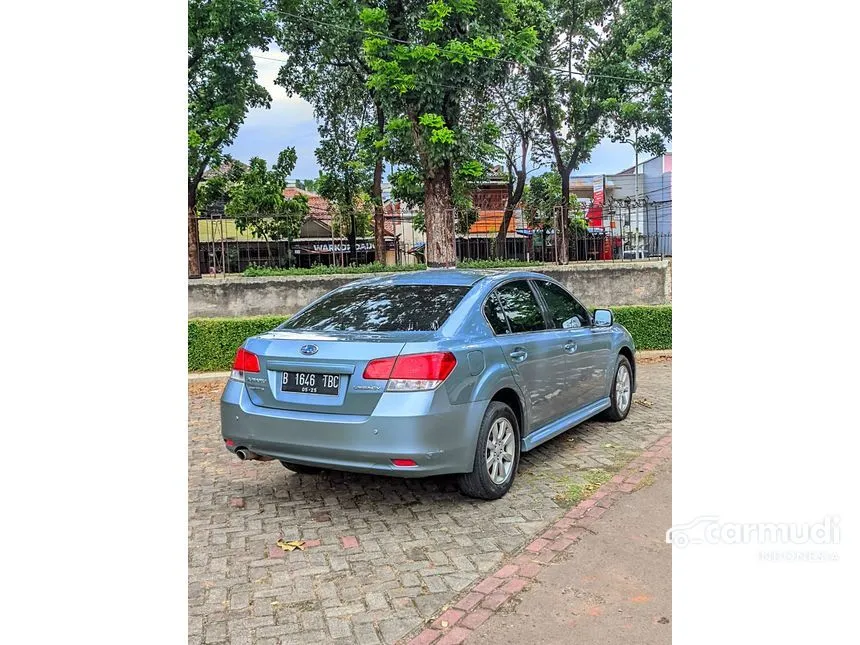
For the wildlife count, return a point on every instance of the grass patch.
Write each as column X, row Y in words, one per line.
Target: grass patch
column 647, row 480
column 620, row 456
column 574, row 492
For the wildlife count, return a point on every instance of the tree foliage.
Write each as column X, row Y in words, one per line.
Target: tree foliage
column 327, row 67
column 346, row 152
column 255, row 199
column 440, row 90
column 432, row 63
column 598, row 74
column 222, row 85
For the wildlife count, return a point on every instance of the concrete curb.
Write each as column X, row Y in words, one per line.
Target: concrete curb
column 487, row 596
column 216, row 376
column 207, row 376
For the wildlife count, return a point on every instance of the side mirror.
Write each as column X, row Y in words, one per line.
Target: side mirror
column 603, row 318
column 571, row 323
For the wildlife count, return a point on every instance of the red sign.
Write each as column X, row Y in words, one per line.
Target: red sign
column 595, row 213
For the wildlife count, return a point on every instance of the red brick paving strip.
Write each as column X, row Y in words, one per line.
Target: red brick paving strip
column 487, row 596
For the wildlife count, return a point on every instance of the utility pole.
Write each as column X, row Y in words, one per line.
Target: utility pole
column 636, row 185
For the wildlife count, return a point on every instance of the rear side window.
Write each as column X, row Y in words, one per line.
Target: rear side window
column 495, row 315
column 399, row 307
column 565, row 312
column 520, row 307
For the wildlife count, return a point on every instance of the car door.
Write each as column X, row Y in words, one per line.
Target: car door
column 521, row 330
column 584, row 348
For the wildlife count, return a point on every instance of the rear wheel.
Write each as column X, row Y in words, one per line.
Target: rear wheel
column 621, row 394
column 496, row 457
column 301, row 469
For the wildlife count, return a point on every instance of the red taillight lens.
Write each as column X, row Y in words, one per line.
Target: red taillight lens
column 379, row 368
column 424, row 367
column 245, row 361
column 403, row 463
column 412, row 372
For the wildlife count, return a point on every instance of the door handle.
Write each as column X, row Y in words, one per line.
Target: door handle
column 570, row 348
column 519, row 355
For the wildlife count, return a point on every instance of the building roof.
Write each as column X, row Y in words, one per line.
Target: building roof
column 489, row 221
column 319, row 207
column 628, row 171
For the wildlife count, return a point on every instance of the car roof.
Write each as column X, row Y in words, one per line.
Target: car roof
column 453, row 277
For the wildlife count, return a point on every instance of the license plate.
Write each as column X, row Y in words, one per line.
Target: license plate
column 310, row 383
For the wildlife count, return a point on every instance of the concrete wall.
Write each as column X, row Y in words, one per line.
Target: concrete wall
column 619, row 283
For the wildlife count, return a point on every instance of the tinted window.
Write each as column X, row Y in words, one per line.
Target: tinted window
column 521, row 307
column 495, row 315
column 401, row 307
column 564, row 311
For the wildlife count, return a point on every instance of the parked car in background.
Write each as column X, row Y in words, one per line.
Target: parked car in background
column 428, row 373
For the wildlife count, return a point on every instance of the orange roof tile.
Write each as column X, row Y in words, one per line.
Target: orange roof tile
column 489, row 221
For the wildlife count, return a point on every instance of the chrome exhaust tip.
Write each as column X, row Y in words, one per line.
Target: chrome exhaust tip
column 244, row 454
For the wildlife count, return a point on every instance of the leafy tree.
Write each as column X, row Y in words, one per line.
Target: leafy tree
column 222, row 86
column 323, row 42
column 432, row 63
column 600, row 67
column 344, row 113
column 354, row 220
column 310, row 185
column 257, row 202
column 542, row 200
column 644, row 33
column 517, row 119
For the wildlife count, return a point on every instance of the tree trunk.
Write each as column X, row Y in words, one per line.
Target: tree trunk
column 514, row 195
column 561, row 226
column 350, row 235
column 439, row 217
column 376, row 195
column 193, row 235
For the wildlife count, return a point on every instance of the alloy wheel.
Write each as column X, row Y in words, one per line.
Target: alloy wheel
column 500, row 450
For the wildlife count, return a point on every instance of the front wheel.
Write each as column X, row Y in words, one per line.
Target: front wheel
column 496, row 457
column 621, row 393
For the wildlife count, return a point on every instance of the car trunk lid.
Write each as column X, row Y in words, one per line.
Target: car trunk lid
column 313, row 359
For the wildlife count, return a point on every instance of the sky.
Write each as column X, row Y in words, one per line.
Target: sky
column 290, row 122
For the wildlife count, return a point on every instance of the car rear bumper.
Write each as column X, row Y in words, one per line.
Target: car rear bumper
column 422, row 426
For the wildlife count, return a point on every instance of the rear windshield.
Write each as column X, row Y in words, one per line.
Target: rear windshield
column 400, row 307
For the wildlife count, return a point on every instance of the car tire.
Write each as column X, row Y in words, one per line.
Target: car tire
column 301, row 469
column 498, row 437
column 622, row 383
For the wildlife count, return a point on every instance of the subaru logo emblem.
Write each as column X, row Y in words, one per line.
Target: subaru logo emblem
column 309, row 350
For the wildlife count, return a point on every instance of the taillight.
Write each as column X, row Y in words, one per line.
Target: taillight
column 245, row 361
column 379, row 368
column 412, row 372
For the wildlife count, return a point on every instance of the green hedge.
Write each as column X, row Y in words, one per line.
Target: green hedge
column 651, row 327
column 212, row 342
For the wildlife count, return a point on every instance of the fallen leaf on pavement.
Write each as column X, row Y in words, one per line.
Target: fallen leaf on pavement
column 644, row 402
column 292, row 544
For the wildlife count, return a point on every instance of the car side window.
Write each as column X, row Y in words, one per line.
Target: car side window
column 495, row 315
column 520, row 307
column 564, row 310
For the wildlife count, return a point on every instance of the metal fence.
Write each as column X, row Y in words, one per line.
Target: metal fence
column 225, row 249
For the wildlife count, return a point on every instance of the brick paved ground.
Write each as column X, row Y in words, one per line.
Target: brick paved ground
column 384, row 555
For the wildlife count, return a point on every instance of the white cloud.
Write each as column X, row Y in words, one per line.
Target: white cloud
column 294, row 108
